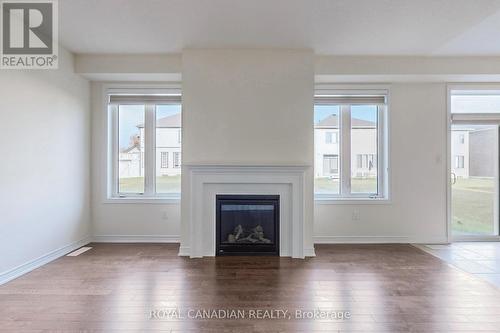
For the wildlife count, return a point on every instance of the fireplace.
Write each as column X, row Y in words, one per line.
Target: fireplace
column 247, row 224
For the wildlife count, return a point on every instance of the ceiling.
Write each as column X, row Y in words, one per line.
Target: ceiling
column 333, row 27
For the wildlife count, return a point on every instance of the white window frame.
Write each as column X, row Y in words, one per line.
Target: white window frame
column 345, row 196
column 112, row 152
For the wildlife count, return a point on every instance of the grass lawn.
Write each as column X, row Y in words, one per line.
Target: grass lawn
column 326, row 185
column 473, row 206
column 164, row 184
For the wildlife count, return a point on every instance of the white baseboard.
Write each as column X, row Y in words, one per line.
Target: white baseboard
column 359, row 239
column 136, row 239
column 40, row 261
column 309, row 252
column 184, row 251
column 377, row 240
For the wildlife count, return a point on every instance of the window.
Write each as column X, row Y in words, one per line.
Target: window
column 331, row 137
column 359, row 161
column 131, row 146
column 164, row 159
column 168, row 129
column 177, row 160
column 461, row 138
column 331, row 165
column 144, row 132
column 355, row 167
column 459, row 162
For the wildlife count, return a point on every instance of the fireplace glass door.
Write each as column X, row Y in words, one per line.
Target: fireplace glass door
column 247, row 224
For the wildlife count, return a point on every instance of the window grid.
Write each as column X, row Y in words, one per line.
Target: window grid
column 164, row 159
column 177, row 160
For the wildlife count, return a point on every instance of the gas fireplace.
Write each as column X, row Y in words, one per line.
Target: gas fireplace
column 247, row 224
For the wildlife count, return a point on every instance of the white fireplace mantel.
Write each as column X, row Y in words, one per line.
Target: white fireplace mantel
column 204, row 182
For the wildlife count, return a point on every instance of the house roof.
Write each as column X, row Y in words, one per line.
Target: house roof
column 333, row 121
column 167, row 122
column 129, row 149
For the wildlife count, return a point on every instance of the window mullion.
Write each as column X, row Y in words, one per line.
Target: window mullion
column 150, row 158
column 381, row 163
column 114, row 151
column 345, row 151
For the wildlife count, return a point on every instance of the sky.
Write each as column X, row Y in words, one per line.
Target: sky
column 132, row 115
column 364, row 112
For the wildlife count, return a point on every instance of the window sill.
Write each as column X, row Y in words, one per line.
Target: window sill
column 143, row 200
column 351, row 201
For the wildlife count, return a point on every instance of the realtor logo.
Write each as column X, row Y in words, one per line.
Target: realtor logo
column 29, row 35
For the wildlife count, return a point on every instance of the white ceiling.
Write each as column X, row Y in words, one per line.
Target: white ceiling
column 336, row 27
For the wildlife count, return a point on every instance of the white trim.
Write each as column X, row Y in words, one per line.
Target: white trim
column 136, row 239
column 109, row 153
column 448, row 164
column 149, row 150
column 473, row 86
column 40, row 261
column 309, row 252
column 481, row 238
column 205, row 181
column 143, row 88
column 158, row 200
column 164, row 98
column 345, row 151
column 359, row 239
column 184, row 251
column 352, row 88
column 377, row 240
column 328, row 200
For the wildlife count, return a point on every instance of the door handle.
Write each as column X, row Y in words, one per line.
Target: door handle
column 453, row 178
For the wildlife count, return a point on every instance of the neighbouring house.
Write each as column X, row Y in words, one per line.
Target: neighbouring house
column 363, row 147
column 471, row 152
column 130, row 162
column 168, row 150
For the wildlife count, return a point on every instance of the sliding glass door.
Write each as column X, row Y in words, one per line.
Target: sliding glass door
column 474, row 164
column 474, row 180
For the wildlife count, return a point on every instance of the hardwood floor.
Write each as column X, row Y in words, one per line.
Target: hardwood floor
column 118, row 287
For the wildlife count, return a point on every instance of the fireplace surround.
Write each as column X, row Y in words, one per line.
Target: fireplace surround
column 201, row 184
column 247, row 224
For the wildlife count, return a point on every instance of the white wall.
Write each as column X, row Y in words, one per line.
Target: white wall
column 247, row 106
column 123, row 221
column 44, row 174
column 417, row 210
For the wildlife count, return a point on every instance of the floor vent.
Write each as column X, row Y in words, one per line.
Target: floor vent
column 79, row 251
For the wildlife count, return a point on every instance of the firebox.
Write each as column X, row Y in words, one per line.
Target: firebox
column 247, row 224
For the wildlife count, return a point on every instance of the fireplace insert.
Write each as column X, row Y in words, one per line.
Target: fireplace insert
column 247, row 224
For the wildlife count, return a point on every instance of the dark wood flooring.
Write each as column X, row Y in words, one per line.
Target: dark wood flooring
column 115, row 288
